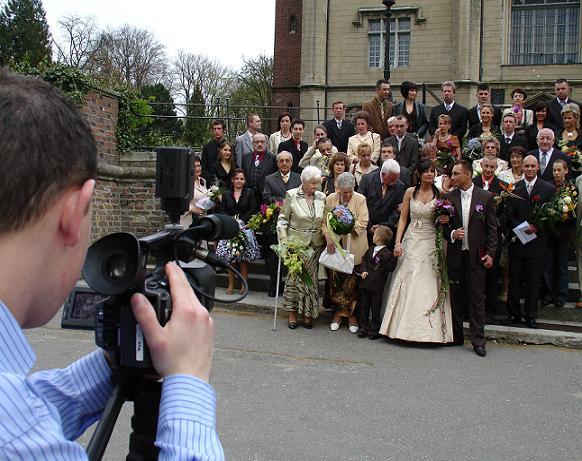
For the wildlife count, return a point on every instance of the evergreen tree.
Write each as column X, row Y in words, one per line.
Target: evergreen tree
column 196, row 129
column 162, row 104
column 24, row 33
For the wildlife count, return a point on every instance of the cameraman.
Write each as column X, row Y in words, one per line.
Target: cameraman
column 48, row 158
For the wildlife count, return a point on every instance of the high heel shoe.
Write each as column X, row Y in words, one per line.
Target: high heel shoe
column 308, row 323
column 292, row 321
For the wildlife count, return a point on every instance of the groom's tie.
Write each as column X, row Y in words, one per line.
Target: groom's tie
column 465, row 209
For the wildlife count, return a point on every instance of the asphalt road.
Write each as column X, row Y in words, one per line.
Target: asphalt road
column 323, row 395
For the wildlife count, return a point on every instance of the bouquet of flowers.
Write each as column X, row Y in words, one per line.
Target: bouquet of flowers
column 294, row 256
column 242, row 247
column 213, row 195
column 559, row 209
column 340, row 220
column 574, row 153
column 445, row 161
column 323, row 164
column 506, row 192
column 472, row 151
column 266, row 219
column 443, row 207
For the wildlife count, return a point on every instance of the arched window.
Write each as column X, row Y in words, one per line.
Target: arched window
column 292, row 24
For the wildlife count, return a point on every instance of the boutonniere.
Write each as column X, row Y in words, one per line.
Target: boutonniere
column 536, row 198
column 480, row 210
column 376, row 260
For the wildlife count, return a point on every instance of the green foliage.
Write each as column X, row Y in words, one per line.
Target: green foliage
column 24, row 33
column 196, row 131
column 167, row 130
column 70, row 80
column 133, row 119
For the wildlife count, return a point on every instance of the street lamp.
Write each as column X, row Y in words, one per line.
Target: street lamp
column 388, row 4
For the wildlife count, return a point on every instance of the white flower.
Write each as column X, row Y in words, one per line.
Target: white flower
column 567, row 200
column 565, row 209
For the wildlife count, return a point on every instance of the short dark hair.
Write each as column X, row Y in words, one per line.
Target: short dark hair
column 467, row 166
column 381, row 82
column 405, row 88
column 541, row 105
column 46, row 146
column 517, row 150
column 321, row 141
column 219, row 121
column 562, row 80
column 483, row 87
column 251, row 116
column 298, row 121
column 520, row 91
column 338, row 157
column 281, row 116
column 364, row 115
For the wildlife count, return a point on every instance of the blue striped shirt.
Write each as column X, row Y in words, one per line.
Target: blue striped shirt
column 41, row 414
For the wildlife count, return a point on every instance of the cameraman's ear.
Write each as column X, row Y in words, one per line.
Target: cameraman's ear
column 75, row 211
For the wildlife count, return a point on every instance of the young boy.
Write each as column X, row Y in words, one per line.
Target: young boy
column 376, row 264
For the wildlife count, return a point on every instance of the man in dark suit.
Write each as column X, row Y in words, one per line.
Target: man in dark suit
column 472, row 233
column 295, row 146
column 276, row 185
column 562, row 89
column 384, row 193
column 380, row 108
column 526, row 260
column 258, row 164
column 509, row 138
column 279, row 182
column 210, row 150
column 483, row 97
column 546, row 154
column 489, row 182
column 388, row 151
column 338, row 129
column 243, row 144
column 405, row 144
column 459, row 115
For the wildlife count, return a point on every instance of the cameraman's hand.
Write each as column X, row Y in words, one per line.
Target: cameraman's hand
column 185, row 344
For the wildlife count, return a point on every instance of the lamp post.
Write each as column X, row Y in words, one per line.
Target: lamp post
column 388, row 4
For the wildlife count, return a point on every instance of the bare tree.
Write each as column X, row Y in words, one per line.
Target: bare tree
column 78, row 42
column 191, row 71
column 132, row 56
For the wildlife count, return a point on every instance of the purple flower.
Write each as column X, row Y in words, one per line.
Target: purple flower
column 479, row 208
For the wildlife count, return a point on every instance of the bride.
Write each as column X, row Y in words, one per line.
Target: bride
column 414, row 286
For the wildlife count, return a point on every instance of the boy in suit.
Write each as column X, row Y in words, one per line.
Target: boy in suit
column 376, row 264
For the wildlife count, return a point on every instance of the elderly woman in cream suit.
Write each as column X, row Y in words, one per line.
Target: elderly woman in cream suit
column 343, row 288
column 301, row 219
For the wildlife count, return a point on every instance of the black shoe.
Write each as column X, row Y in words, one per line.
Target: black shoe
column 531, row 323
column 480, row 351
column 559, row 304
column 292, row 325
column 362, row 334
column 373, row 335
column 546, row 302
column 512, row 320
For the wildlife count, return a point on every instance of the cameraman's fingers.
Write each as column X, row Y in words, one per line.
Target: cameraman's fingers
column 146, row 317
column 182, row 294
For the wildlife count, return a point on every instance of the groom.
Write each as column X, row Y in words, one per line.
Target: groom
column 472, row 232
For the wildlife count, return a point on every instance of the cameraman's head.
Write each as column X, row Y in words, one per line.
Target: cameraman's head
column 48, row 157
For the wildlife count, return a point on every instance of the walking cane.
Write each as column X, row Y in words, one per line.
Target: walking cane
column 277, row 294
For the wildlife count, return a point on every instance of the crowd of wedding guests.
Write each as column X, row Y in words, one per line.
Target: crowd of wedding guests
column 391, row 166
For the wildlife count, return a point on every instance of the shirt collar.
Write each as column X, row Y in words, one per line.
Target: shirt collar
column 469, row 190
column 16, row 355
column 530, row 183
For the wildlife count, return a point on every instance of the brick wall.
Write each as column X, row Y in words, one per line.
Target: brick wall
column 287, row 55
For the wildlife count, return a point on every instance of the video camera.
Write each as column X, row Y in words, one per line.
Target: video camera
column 117, row 266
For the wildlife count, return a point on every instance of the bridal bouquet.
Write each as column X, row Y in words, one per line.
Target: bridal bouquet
column 443, row 207
column 266, row 219
column 294, row 255
column 574, row 153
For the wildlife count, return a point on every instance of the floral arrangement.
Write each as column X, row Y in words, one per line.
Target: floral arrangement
column 294, row 256
column 266, row 219
column 237, row 245
column 573, row 152
column 213, row 195
column 559, row 209
column 445, row 161
column 323, row 164
column 480, row 211
column 443, row 207
column 473, row 151
column 341, row 220
column 506, row 192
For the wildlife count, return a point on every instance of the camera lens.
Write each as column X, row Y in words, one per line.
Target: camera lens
column 116, row 267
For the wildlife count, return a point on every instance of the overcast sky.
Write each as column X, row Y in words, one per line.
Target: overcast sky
column 226, row 30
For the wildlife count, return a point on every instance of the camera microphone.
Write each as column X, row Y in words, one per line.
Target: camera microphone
column 215, row 227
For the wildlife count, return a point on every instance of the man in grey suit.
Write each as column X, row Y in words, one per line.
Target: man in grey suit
column 244, row 143
column 405, row 144
column 276, row 185
column 258, row 164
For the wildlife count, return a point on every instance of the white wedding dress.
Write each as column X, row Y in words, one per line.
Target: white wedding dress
column 413, row 289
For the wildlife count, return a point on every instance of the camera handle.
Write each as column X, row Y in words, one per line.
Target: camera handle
column 145, row 395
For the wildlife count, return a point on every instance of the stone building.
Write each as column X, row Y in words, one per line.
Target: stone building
column 333, row 49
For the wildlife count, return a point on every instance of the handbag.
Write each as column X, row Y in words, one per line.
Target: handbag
column 336, row 261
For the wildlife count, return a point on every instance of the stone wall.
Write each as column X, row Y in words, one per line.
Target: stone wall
column 124, row 197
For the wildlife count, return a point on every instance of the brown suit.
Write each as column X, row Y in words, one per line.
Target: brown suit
column 379, row 123
column 466, row 271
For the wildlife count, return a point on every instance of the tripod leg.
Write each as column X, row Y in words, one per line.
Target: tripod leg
column 104, row 428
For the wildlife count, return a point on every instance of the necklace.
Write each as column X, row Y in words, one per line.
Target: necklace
column 570, row 133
